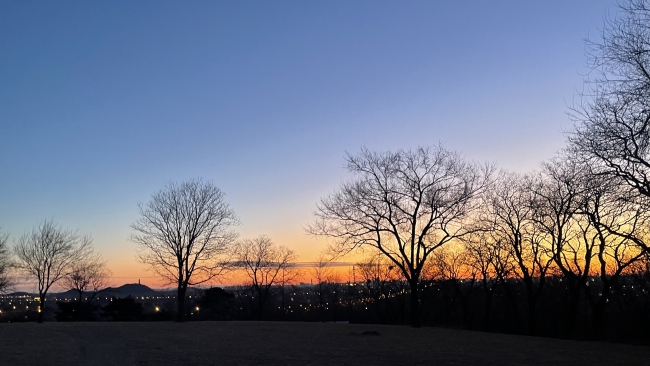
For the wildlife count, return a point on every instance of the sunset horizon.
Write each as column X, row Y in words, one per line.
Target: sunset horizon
column 324, row 183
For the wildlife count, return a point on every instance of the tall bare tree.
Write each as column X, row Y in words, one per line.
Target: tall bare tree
column 404, row 204
column 559, row 195
column 48, row 253
column 264, row 263
column 613, row 119
column 184, row 234
column 617, row 221
column 5, row 264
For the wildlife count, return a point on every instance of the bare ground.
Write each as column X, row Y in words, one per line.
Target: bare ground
column 270, row 343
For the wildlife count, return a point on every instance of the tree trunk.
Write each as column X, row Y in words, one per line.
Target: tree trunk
column 532, row 305
column 284, row 310
column 599, row 310
column 488, row 310
column 321, row 303
column 42, row 308
column 464, row 302
column 180, row 311
column 572, row 310
column 260, row 305
column 532, row 317
column 81, row 305
column 515, row 306
column 416, row 321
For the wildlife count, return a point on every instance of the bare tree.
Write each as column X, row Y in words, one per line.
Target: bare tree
column 5, row 264
column 613, row 119
column 89, row 274
column 404, row 204
column 264, row 263
column 379, row 277
column 492, row 263
column 559, row 195
column 616, row 222
column 508, row 212
column 184, row 234
column 48, row 253
column 453, row 265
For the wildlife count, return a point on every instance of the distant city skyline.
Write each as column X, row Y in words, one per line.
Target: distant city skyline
column 102, row 104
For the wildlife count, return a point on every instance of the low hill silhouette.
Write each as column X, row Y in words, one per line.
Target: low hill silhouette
column 130, row 289
column 19, row 293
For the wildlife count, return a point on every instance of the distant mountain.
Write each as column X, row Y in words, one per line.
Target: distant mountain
column 131, row 289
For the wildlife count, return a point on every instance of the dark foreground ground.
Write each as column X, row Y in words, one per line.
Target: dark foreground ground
column 269, row 343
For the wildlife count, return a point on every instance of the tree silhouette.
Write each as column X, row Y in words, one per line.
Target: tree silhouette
column 264, row 263
column 184, row 235
column 48, row 253
column 404, row 204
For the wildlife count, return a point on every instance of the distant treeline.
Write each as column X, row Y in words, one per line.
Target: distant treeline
column 465, row 303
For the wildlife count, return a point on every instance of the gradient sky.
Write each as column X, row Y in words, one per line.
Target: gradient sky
column 103, row 103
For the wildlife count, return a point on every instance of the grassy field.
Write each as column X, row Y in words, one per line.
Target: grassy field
column 270, row 343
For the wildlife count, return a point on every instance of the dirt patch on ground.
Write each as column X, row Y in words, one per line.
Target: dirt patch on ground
column 270, row 343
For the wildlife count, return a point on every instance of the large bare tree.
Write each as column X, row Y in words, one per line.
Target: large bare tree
column 613, row 118
column 559, row 196
column 265, row 264
column 404, row 204
column 184, row 234
column 48, row 253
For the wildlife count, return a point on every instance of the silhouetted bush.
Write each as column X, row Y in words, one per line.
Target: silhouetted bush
column 216, row 304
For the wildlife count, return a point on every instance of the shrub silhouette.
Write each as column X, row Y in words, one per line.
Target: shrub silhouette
column 216, row 304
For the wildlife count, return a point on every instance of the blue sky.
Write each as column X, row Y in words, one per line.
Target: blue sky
column 103, row 103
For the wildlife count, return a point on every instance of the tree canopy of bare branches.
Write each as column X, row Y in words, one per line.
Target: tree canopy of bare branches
column 89, row 274
column 613, row 119
column 404, row 204
column 48, row 254
column 184, row 234
column 265, row 264
column 508, row 214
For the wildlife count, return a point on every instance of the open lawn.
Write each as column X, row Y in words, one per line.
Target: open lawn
column 271, row 343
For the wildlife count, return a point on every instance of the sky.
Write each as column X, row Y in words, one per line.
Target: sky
column 103, row 103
